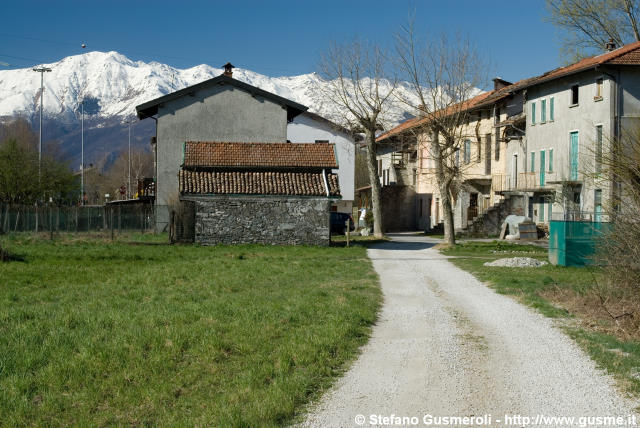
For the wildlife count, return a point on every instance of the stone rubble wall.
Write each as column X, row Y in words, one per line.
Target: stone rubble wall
column 262, row 220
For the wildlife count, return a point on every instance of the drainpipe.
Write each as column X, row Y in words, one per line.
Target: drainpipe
column 324, row 178
column 617, row 130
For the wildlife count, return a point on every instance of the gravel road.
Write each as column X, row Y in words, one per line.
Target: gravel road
column 447, row 345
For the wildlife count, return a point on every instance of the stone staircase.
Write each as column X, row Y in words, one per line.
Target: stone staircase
column 489, row 222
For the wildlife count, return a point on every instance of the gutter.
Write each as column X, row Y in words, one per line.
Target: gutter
column 324, row 178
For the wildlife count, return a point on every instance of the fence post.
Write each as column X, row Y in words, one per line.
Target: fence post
column 50, row 223
column 111, row 215
column 348, row 232
column 142, row 220
column 119, row 218
column 76, row 219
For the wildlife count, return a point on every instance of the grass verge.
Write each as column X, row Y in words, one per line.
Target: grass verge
column 571, row 295
column 100, row 333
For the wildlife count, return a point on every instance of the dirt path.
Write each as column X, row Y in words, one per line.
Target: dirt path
column 447, row 345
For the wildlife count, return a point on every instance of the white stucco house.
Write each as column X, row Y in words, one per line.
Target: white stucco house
column 312, row 128
column 572, row 113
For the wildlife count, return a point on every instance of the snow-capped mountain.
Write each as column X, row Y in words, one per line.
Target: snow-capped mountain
column 112, row 85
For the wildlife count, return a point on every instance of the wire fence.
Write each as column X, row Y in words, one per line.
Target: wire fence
column 110, row 218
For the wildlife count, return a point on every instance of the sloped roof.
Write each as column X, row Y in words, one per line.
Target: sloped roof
column 625, row 55
column 470, row 104
column 150, row 108
column 259, row 155
column 257, row 183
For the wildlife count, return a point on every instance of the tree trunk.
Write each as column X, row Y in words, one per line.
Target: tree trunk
column 370, row 138
column 444, row 185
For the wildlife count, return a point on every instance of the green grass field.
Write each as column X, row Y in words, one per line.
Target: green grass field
column 549, row 289
column 101, row 333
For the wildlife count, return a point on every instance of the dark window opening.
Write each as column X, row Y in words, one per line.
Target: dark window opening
column 322, row 141
column 574, row 94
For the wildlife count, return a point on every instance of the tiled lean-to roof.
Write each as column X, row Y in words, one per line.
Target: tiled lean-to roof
column 257, row 183
column 259, row 155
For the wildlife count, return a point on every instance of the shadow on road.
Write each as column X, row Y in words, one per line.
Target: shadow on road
column 402, row 245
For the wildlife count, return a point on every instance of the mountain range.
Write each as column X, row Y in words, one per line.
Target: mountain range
column 111, row 86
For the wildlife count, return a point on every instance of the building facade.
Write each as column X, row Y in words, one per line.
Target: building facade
column 219, row 109
column 266, row 193
column 312, row 128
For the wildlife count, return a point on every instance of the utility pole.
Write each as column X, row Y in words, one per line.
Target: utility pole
column 129, row 174
column 41, row 70
column 82, row 151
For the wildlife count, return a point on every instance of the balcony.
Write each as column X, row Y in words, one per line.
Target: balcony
column 525, row 181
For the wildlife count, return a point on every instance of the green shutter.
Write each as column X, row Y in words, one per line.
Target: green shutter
column 533, row 113
column 550, row 160
column 599, row 148
column 551, row 109
column 574, row 156
column 542, row 167
column 533, row 162
column 543, row 111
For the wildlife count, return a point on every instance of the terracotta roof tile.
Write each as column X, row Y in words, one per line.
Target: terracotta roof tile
column 224, row 154
column 625, row 55
column 257, row 183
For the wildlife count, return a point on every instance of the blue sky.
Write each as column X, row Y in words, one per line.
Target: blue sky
column 270, row 37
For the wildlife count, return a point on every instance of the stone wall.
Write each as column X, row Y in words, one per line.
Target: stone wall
column 262, row 220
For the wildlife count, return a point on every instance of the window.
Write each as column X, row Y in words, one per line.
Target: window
column 598, row 89
column 550, row 160
column 322, row 141
column 533, row 113
column 379, row 167
column 551, row 109
column 597, row 205
column 533, row 162
column 497, row 144
column 467, row 151
column 598, row 160
column 575, row 95
column 543, row 111
column 496, row 118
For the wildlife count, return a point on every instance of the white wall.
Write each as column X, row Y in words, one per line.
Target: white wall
column 307, row 129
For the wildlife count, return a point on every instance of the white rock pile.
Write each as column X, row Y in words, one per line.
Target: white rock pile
column 516, row 262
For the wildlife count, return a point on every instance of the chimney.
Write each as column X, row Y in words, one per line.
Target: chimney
column 499, row 83
column 610, row 46
column 228, row 69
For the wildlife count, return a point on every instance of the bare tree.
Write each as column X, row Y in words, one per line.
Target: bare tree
column 444, row 75
column 360, row 83
column 590, row 24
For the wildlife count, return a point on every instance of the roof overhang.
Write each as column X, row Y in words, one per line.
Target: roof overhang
column 150, row 108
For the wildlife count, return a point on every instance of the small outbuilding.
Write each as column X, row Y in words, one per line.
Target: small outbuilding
column 268, row 193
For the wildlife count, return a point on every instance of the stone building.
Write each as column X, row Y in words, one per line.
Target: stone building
column 218, row 109
column 269, row 193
